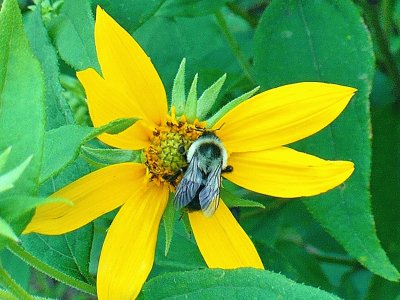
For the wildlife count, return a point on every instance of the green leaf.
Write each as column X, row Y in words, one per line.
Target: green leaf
column 68, row 253
column 5, row 295
column 309, row 269
column 62, row 265
column 191, row 102
column 169, row 222
column 116, row 126
column 6, row 231
column 167, row 40
column 209, row 97
column 178, row 97
column 191, row 8
column 183, row 254
column 229, row 106
column 62, row 145
column 3, row 157
column 327, row 41
column 385, row 178
column 232, row 200
column 383, row 289
column 110, row 156
column 229, row 284
column 15, row 206
column 11, row 285
column 73, row 34
column 131, row 14
column 8, row 179
column 76, row 98
column 277, row 262
column 17, row 269
column 21, row 99
column 57, row 109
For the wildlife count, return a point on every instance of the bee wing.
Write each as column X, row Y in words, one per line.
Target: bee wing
column 209, row 195
column 189, row 185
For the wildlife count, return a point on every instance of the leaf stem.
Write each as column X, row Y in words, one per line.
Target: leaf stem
column 237, row 10
column 9, row 283
column 233, row 44
column 323, row 256
column 50, row 271
column 387, row 15
column 384, row 57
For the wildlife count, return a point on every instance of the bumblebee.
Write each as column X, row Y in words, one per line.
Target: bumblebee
column 200, row 185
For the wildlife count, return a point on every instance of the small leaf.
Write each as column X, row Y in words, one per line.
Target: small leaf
column 230, row 284
column 226, row 108
column 57, row 109
column 169, row 221
column 73, row 33
column 191, row 102
column 74, row 94
column 178, row 90
column 116, row 126
column 3, row 157
column 231, row 200
column 8, row 179
column 6, row 231
column 110, row 156
column 15, row 206
column 208, row 98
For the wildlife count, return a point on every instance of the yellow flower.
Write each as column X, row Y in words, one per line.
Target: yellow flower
column 253, row 133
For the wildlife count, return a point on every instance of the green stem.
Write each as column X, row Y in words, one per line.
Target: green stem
column 50, row 271
column 387, row 15
column 233, row 44
column 9, row 283
column 385, row 58
column 237, row 10
column 275, row 205
column 323, row 256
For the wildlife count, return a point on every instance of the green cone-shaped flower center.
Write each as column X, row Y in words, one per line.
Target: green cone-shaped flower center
column 166, row 154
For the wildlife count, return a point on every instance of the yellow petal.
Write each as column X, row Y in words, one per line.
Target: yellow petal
column 126, row 66
column 92, row 195
column 106, row 104
column 284, row 172
column 222, row 242
column 128, row 251
column 282, row 115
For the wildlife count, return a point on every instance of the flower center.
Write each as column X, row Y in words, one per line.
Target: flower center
column 166, row 155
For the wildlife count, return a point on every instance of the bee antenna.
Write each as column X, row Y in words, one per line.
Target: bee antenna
column 219, row 127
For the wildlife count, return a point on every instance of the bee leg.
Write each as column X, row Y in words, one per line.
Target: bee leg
column 172, row 178
column 228, row 169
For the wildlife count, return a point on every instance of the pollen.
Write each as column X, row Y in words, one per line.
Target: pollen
column 169, row 143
